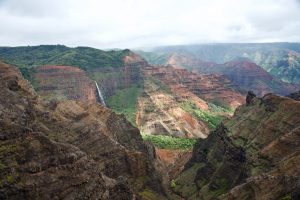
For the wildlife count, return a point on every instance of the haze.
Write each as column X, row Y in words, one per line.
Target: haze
column 146, row 23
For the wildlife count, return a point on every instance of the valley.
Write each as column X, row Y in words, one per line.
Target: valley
column 173, row 125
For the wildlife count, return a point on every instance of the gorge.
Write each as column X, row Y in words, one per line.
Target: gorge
column 184, row 129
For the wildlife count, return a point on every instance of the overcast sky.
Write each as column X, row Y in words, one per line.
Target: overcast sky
column 142, row 23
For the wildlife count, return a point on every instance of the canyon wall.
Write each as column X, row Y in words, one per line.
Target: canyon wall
column 64, row 82
column 180, row 103
column 254, row 155
column 69, row 149
column 244, row 74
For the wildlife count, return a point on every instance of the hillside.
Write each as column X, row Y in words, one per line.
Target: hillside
column 83, row 57
column 158, row 100
column 254, row 155
column 281, row 60
column 114, row 71
column 69, row 149
column 244, row 74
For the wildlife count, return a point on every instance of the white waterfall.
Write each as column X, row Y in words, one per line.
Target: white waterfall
column 100, row 95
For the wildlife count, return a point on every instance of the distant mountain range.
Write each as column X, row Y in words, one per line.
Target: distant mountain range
column 281, row 60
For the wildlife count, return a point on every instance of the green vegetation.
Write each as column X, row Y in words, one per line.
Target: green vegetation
column 287, row 197
column 212, row 119
column 124, row 102
column 173, row 183
column 10, row 179
column 184, row 185
column 161, row 85
column 154, row 58
column 83, row 57
column 219, row 109
column 102, row 76
column 169, row 142
column 148, row 194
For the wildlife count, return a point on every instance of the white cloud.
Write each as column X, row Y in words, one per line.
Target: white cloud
column 136, row 23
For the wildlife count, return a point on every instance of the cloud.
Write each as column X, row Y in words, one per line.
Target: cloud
column 137, row 23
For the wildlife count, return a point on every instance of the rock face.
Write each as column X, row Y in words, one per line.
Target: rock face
column 64, row 82
column 211, row 88
column 69, row 149
column 178, row 103
column 161, row 113
column 254, row 155
column 295, row 96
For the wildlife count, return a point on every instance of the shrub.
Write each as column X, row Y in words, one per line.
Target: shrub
column 169, row 142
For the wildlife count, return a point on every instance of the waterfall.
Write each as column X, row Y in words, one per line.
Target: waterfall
column 100, row 95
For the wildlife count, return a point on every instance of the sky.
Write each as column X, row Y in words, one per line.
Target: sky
column 147, row 23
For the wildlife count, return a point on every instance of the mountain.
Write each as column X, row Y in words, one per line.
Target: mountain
column 280, row 60
column 82, row 57
column 69, row 149
column 243, row 73
column 253, row 155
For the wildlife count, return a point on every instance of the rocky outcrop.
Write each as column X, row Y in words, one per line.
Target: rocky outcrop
column 250, row 97
column 254, row 155
column 69, row 149
column 64, row 82
column 173, row 161
column 295, row 96
column 211, row 88
column 161, row 113
column 180, row 103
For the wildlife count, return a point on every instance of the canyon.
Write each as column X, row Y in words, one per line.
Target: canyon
column 187, row 129
column 261, row 67
column 243, row 73
column 159, row 100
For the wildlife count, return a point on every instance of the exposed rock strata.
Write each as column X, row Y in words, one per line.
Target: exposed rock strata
column 254, row 155
column 243, row 74
column 211, row 88
column 68, row 150
column 64, row 82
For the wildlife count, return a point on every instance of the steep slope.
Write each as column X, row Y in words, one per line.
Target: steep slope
column 183, row 104
column 243, row 73
column 120, row 84
column 53, row 71
column 281, row 60
column 160, row 113
column 248, row 75
column 254, row 155
column 133, row 88
column 211, row 88
column 69, row 149
column 64, row 82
